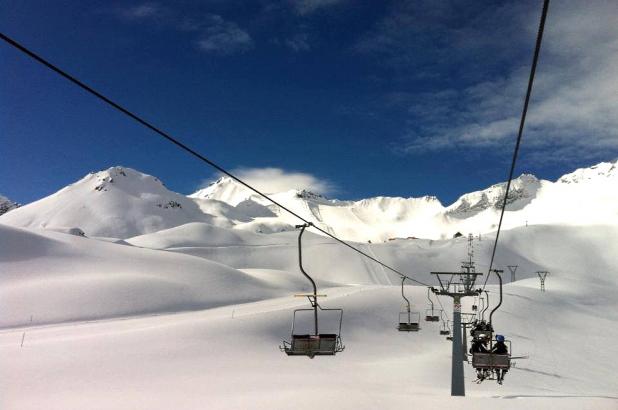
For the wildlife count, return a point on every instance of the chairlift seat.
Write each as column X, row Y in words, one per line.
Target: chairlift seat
column 491, row 361
column 409, row 322
column 445, row 332
column 408, row 327
column 432, row 318
column 324, row 344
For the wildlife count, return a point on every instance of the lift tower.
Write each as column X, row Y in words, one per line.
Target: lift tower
column 458, row 285
column 542, row 275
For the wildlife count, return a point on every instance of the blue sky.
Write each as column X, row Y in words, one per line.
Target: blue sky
column 358, row 99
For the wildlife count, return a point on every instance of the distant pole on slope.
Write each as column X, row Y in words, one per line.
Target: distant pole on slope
column 512, row 268
column 542, row 275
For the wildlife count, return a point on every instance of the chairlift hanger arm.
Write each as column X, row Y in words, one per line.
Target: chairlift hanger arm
column 429, row 298
column 403, row 293
column 300, row 256
column 497, row 272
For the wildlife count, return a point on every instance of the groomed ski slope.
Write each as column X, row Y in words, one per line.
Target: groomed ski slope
column 102, row 338
column 227, row 358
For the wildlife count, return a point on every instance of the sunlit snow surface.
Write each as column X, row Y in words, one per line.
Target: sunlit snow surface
column 117, row 293
column 223, row 353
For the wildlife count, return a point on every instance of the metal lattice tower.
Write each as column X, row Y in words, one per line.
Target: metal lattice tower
column 542, row 275
column 512, row 269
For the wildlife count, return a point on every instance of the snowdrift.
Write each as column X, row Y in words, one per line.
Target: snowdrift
column 53, row 277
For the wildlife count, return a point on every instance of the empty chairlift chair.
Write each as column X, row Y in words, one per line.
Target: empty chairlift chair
column 431, row 314
column 314, row 343
column 408, row 320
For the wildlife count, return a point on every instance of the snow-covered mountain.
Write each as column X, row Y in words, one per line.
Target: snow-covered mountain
column 122, row 203
column 6, row 205
column 586, row 196
column 118, row 202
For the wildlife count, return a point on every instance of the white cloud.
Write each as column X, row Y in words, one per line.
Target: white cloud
column 142, row 11
column 574, row 108
column 224, row 37
column 214, row 33
column 309, row 6
column 273, row 180
column 298, row 42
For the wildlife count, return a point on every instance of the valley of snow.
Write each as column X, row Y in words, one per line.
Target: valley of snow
column 117, row 293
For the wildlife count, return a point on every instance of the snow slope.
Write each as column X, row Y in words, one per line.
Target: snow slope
column 227, row 357
column 55, row 277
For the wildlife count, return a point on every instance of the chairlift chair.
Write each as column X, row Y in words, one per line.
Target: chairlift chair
column 408, row 320
column 431, row 314
column 316, row 343
column 492, row 363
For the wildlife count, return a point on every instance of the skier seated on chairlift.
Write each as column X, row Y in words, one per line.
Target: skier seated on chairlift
column 480, row 346
column 500, row 348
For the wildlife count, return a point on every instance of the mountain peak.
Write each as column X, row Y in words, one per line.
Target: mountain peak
column 225, row 189
column 116, row 202
column 523, row 190
column 599, row 172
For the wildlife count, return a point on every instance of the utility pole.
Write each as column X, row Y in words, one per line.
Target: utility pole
column 512, row 268
column 458, row 285
column 542, row 275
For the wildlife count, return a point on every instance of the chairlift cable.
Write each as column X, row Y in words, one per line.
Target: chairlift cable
column 186, row 148
column 522, row 122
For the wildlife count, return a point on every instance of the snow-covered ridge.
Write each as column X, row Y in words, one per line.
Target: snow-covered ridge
column 121, row 202
column 603, row 172
column 7, row 205
column 522, row 191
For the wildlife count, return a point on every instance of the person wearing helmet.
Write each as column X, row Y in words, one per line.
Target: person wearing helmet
column 500, row 348
column 479, row 345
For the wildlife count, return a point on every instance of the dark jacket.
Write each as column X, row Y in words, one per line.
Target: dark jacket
column 500, row 348
column 478, row 347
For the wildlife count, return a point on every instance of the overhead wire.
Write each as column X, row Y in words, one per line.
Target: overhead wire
column 522, row 122
column 186, row 148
